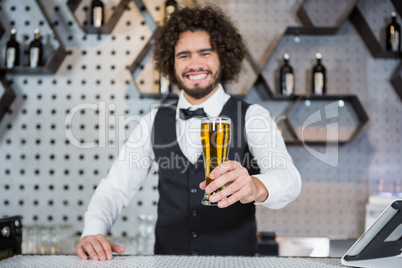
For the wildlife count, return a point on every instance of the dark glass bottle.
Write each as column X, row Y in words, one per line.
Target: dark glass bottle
column 12, row 50
column 35, row 50
column 97, row 13
column 287, row 78
column 170, row 6
column 319, row 77
column 393, row 35
column 164, row 85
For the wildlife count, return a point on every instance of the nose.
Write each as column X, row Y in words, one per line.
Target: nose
column 196, row 62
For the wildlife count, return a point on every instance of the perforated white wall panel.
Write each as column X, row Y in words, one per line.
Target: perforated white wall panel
column 49, row 180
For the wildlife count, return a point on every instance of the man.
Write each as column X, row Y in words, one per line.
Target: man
column 199, row 49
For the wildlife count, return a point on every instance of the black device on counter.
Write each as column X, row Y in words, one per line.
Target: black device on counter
column 10, row 236
column 267, row 245
column 381, row 245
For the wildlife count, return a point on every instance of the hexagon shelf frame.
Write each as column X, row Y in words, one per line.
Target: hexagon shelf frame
column 311, row 28
column 142, row 62
column 396, row 80
column 108, row 27
column 369, row 38
column 308, row 28
column 253, row 70
column 7, row 95
column 1, row 30
column 144, row 59
column 334, row 131
column 54, row 60
column 266, row 91
column 398, row 5
column 373, row 44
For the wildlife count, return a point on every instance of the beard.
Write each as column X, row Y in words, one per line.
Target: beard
column 200, row 92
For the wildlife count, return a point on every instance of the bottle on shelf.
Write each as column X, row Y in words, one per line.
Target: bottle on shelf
column 287, row 78
column 12, row 50
column 170, row 6
column 319, row 77
column 35, row 50
column 393, row 42
column 164, row 85
column 97, row 13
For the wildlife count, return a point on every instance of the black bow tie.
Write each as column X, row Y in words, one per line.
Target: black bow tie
column 187, row 114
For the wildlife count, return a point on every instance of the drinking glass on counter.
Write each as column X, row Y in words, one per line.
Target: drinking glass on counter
column 58, row 239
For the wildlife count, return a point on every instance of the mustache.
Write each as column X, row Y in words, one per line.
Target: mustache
column 194, row 71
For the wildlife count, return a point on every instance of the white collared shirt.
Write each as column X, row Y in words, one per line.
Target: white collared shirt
column 128, row 172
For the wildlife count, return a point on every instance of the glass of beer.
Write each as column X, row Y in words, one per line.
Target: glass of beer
column 215, row 139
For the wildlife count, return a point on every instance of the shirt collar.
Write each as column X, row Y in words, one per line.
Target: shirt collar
column 212, row 106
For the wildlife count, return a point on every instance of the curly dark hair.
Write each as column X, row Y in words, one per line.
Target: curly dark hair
column 224, row 37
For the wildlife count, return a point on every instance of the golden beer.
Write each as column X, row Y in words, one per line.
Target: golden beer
column 215, row 139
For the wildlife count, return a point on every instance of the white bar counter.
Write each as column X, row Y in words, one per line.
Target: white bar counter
column 144, row 261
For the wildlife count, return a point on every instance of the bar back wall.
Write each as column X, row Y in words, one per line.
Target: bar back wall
column 69, row 118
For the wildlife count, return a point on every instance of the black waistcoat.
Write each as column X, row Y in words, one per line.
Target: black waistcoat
column 184, row 226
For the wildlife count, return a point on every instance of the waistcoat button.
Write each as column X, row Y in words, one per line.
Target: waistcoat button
column 193, row 190
column 194, row 234
column 194, row 212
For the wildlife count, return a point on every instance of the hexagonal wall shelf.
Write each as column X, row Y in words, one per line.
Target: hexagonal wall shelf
column 54, row 51
column 396, row 80
column 323, row 21
column 328, row 119
column 108, row 26
column 284, row 126
column 372, row 40
column 7, row 95
column 1, row 30
column 398, row 5
column 145, row 78
column 361, row 17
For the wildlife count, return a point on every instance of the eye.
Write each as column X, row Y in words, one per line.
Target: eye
column 183, row 56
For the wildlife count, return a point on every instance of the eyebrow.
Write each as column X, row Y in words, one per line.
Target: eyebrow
column 198, row 51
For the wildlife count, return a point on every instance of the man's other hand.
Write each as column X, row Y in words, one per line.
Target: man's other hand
column 97, row 247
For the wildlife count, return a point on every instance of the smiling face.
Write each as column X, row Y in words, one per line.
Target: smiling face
column 197, row 66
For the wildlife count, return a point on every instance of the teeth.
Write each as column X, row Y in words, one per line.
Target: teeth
column 196, row 77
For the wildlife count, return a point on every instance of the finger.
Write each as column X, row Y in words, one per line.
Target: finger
column 203, row 184
column 80, row 252
column 229, row 189
column 107, row 249
column 223, row 168
column 224, row 179
column 100, row 247
column 117, row 248
column 230, row 200
column 89, row 249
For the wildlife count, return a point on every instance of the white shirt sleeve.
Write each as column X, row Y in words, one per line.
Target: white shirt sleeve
column 278, row 173
column 124, row 179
